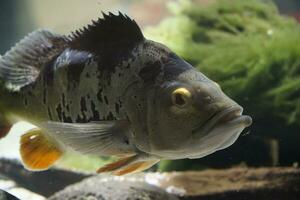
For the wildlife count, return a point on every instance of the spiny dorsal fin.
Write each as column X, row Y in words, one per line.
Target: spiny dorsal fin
column 21, row 65
column 110, row 37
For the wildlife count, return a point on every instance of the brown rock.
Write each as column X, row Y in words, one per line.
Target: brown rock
column 100, row 188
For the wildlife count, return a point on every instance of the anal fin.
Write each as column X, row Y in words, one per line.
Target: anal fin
column 37, row 151
column 128, row 165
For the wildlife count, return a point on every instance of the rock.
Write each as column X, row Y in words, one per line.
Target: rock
column 232, row 184
column 110, row 188
column 229, row 184
column 10, row 188
column 275, row 183
column 6, row 196
column 44, row 183
column 24, row 194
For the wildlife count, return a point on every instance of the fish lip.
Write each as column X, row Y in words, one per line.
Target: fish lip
column 230, row 115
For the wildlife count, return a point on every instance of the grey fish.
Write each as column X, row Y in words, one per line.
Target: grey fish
column 107, row 90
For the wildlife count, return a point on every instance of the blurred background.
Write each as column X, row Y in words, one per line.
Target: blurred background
column 251, row 48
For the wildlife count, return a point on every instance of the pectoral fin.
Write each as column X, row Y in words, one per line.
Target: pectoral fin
column 99, row 138
column 129, row 165
column 37, row 151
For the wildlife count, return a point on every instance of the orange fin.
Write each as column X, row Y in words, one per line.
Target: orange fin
column 128, row 165
column 37, row 151
column 4, row 130
column 136, row 167
column 116, row 165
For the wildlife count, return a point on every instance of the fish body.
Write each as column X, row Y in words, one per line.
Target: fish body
column 106, row 90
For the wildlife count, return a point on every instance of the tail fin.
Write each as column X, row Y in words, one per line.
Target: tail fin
column 22, row 64
column 4, row 130
column 5, row 127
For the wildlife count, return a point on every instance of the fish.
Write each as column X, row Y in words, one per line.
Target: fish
column 106, row 90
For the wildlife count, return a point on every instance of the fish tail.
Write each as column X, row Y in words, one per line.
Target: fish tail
column 38, row 152
column 19, row 67
column 5, row 126
column 4, row 130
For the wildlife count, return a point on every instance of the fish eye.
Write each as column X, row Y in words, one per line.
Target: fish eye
column 181, row 97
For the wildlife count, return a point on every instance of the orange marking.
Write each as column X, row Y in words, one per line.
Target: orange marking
column 37, row 152
column 115, row 165
column 136, row 167
column 131, row 168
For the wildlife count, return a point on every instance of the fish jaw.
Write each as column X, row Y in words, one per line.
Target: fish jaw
column 220, row 132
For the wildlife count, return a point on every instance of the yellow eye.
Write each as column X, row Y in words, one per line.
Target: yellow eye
column 181, row 97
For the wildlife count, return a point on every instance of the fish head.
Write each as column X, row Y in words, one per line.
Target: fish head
column 185, row 114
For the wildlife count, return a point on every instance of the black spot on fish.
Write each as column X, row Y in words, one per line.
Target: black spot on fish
column 48, row 74
column 73, row 74
column 68, row 107
column 173, row 65
column 96, row 116
column 25, row 101
column 110, row 116
column 83, row 104
column 120, row 102
column 87, row 75
column 66, row 119
column 30, row 93
column 49, row 113
column 126, row 141
column 45, row 96
column 63, row 100
column 117, row 108
column 80, row 119
column 139, row 106
column 59, row 112
column 99, row 95
column 150, row 71
column 83, row 107
column 106, row 100
column 78, row 61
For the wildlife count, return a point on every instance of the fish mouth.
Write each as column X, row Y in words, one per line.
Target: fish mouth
column 229, row 116
column 219, row 132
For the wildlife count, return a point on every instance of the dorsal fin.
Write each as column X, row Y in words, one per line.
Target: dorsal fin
column 110, row 37
column 21, row 65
